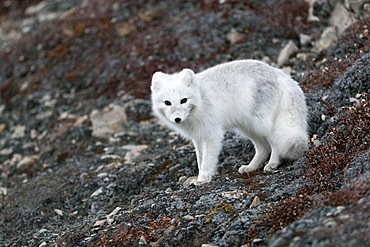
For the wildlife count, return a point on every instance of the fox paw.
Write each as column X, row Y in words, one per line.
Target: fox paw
column 246, row 169
column 271, row 167
column 196, row 181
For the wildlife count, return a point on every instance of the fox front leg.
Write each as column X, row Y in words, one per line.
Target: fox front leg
column 199, row 153
column 210, row 148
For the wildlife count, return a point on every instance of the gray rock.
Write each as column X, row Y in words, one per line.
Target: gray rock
column 313, row 229
column 289, row 50
column 304, row 39
column 341, row 17
column 328, row 38
column 357, row 171
column 133, row 152
column 360, row 7
column 256, row 202
column 355, row 80
column 108, row 121
column 18, row 131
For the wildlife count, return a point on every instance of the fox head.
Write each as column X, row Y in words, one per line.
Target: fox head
column 174, row 96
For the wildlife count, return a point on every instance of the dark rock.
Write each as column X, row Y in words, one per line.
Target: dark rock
column 327, row 226
column 359, row 169
column 355, row 80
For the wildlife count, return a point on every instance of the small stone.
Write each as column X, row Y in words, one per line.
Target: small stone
column 35, row 9
column 257, row 240
column 3, row 191
column 324, row 98
column 355, row 102
column 126, row 28
column 267, row 59
column 182, row 179
column 6, row 151
column 233, row 194
column 338, row 210
column 328, row 37
column 110, row 217
column 255, row 203
column 289, row 50
column 26, row 162
column 18, row 131
column 315, row 140
column 97, row 192
column 59, row 212
column 110, row 156
column 189, row 217
column 169, row 190
column 235, row 37
column 2, row 128
column 311, row 17
column 244, row 219
column 287, row 70
column 304, row 39
column 305, row 56
column 134, row 151
column 99, row 223
column 209, row 245
column 344, row 217
column 174, row 168
column 329, row 223
column 44, row 115
column 142, row 241
column 102, row 174
column 148, row 15
column 43, row 244
column 33, row 134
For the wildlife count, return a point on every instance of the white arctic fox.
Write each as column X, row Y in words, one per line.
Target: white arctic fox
column 251, row 97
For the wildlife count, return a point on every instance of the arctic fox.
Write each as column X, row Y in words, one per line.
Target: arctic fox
column 256, row 100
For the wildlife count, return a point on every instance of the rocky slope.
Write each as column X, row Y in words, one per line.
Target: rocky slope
column 84, row 163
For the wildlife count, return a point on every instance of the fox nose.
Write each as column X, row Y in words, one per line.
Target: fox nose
column 177, row 120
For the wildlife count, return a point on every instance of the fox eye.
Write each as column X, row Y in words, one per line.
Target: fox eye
column 183, row 101
column 167, row 103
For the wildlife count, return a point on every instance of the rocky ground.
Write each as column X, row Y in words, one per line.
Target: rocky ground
column 84, row 163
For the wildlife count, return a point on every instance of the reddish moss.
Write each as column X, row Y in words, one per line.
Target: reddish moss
column 289, row 15
column 125, row 233
column 110, row 88
column 348, row 196
column 8, row 90
column 326, row 163
column 349, row 137
column 289, row 210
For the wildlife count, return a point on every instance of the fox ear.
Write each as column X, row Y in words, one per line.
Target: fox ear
column 187, row 76
column 157, row 80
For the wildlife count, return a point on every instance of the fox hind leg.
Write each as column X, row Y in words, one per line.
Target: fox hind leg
column 262, row 148
column 274, row 161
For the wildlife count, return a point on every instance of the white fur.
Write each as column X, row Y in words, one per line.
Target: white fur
column 258, row 101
